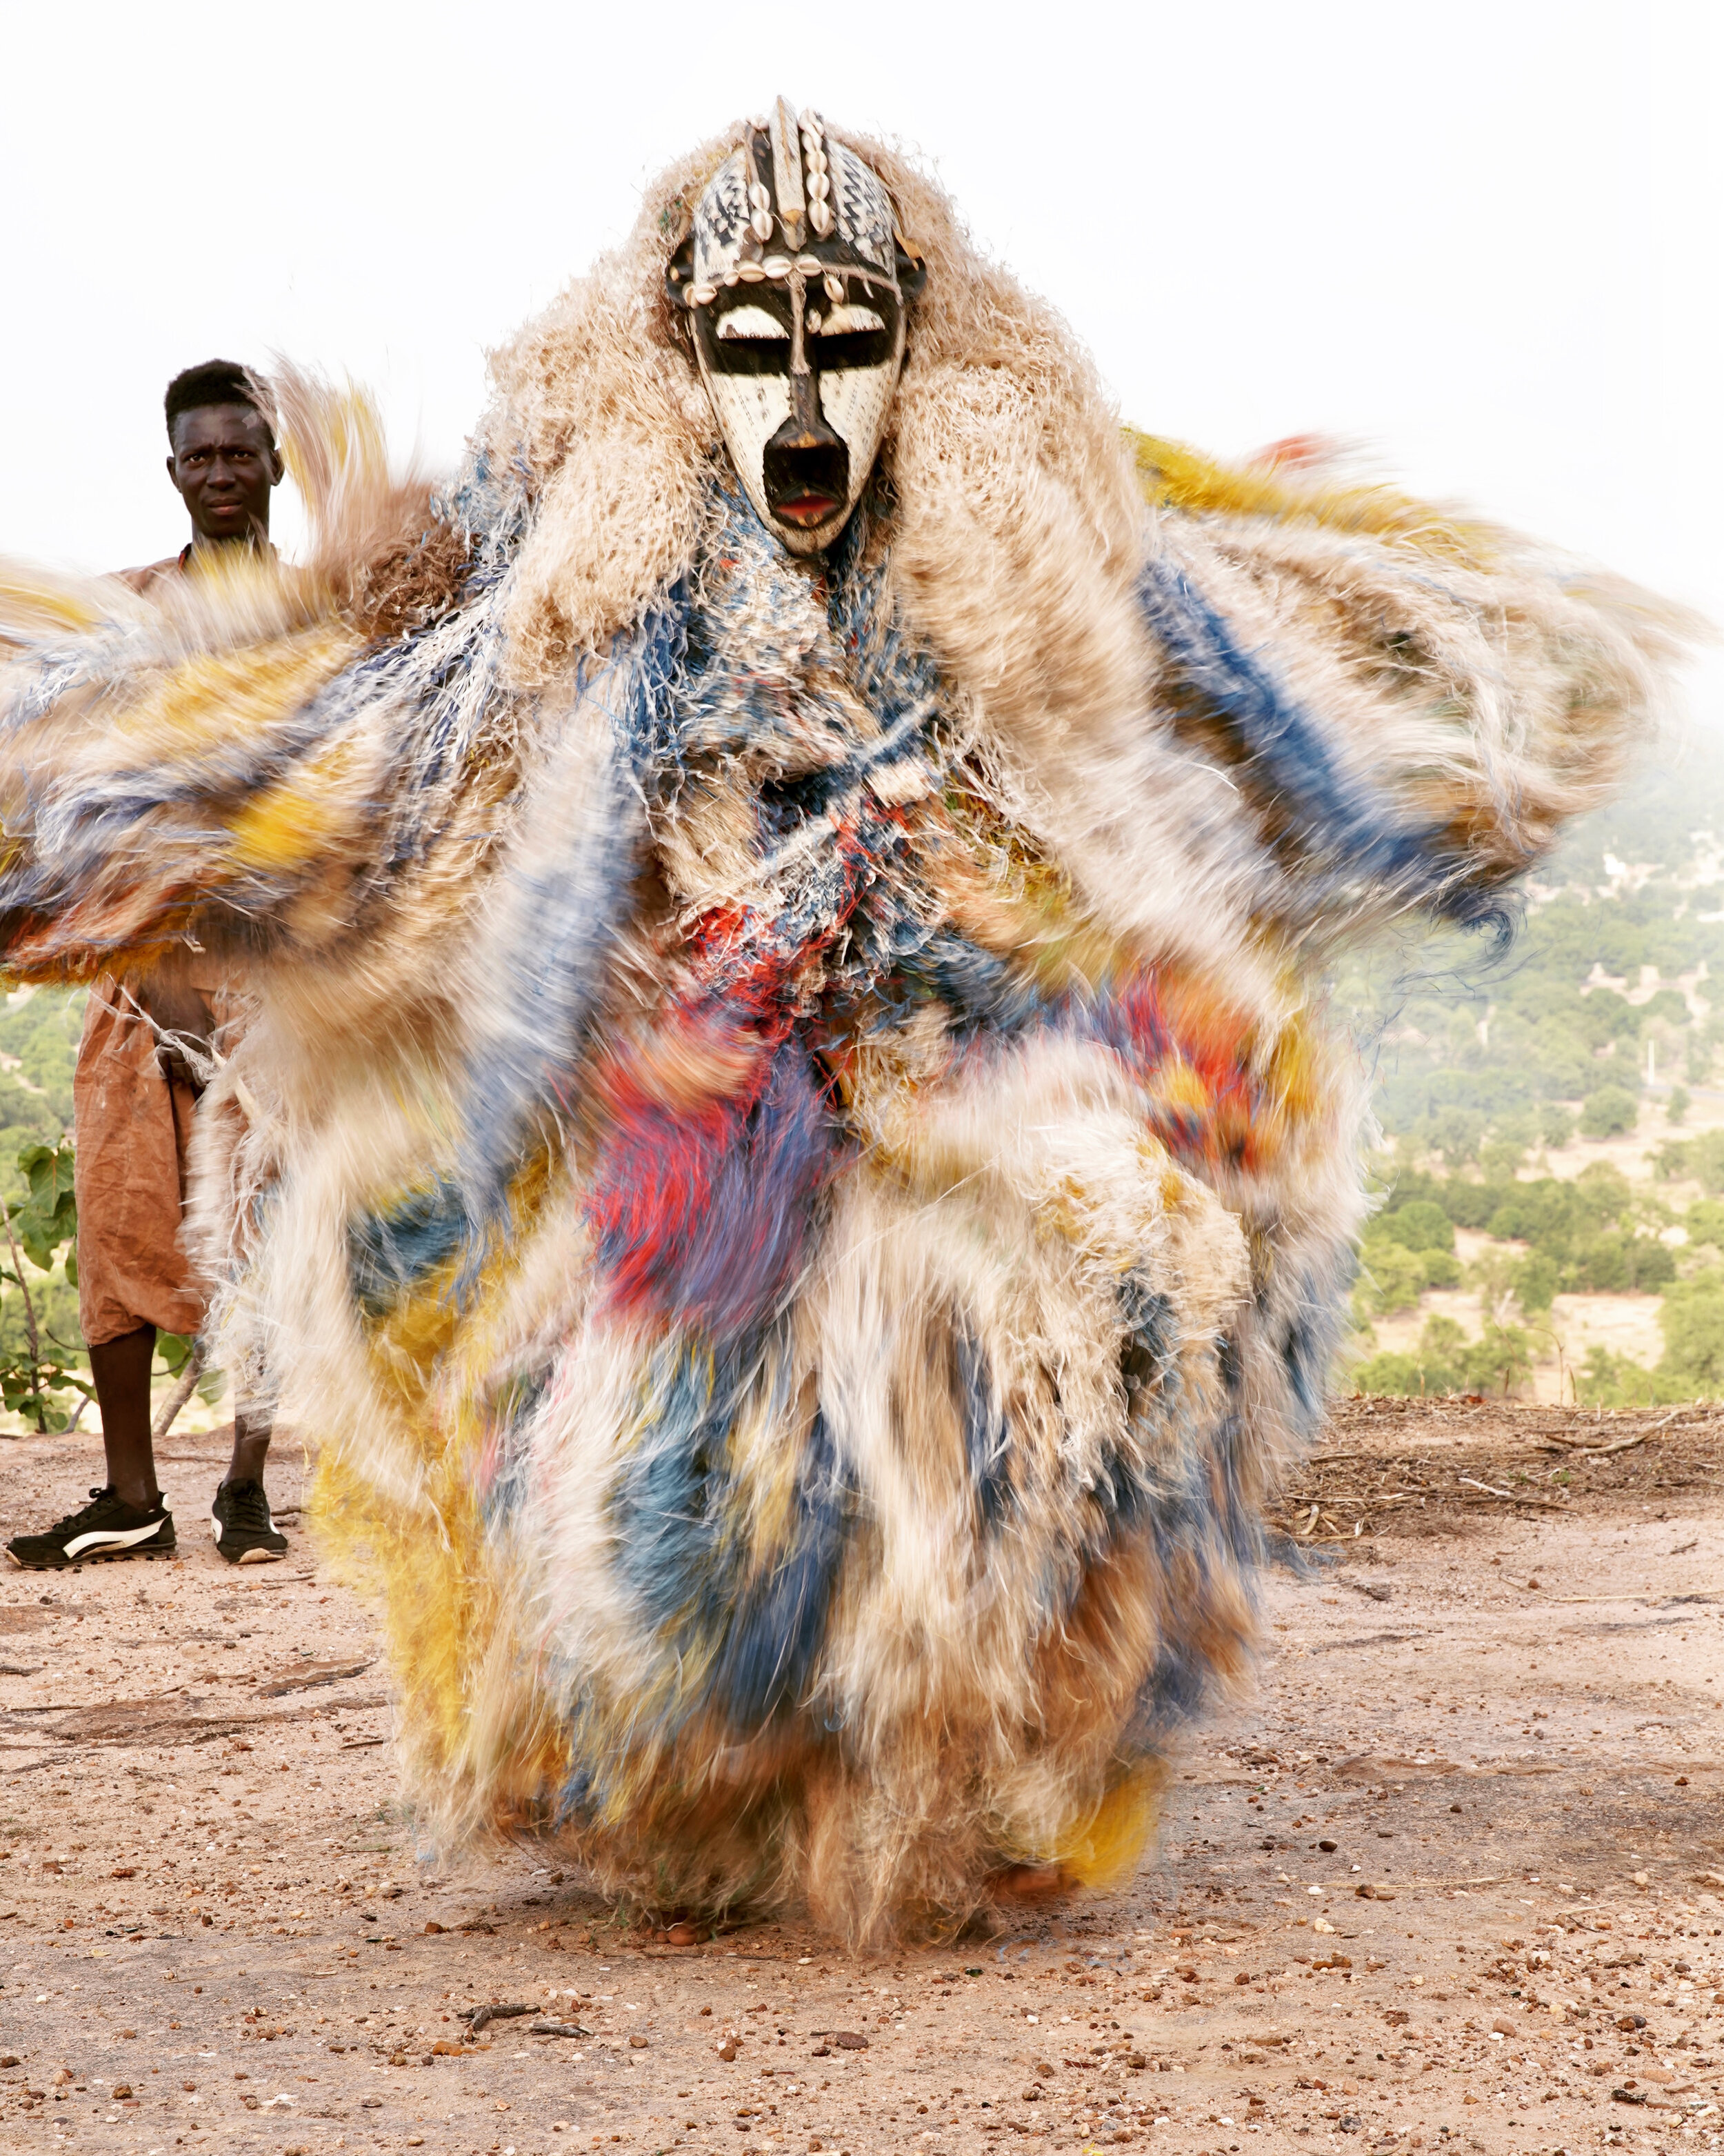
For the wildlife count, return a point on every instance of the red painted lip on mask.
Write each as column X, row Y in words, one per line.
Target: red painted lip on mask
column 806, row 509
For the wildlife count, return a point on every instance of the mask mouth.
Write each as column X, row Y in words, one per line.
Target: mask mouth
column 806, row 474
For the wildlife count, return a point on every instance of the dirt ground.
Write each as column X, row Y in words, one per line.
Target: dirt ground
column 1452, row 1877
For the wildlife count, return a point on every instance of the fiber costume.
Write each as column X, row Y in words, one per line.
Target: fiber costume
column 134, row 1140
column 798, row 1170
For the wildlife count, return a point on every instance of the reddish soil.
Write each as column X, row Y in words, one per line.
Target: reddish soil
column 1452, row 1877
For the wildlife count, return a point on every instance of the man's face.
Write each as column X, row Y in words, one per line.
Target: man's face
column 224, row 468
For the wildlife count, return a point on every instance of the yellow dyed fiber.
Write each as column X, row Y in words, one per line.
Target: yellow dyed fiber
column 1105, row 1849
column 438, row 1587
column 433, row 1595
column 408, row 1341
column 295, row 821
column 340, row 438
column 33, row 605
column 1017, row 905
column 1175, row 477
column 406, row 1344
column 209, row 698
column 442, row 1608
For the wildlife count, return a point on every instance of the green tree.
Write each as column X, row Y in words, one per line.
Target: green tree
column 1419, row 1224
column 1692, row 1320
column 1700, row 1158
column 35, row 1381
column 1500, row 1361
column 1665, row 1006
column 1618, row 1381
column 1391, row 1279
column 1609, row 1113
column 1536, row 1282
column 1455, row 1132
column 1705, row 1223
column 1556, row 1126
column 1434, row 1368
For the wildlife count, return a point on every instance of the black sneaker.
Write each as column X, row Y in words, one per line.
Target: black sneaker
column 106, row 1527
column 244, row 1532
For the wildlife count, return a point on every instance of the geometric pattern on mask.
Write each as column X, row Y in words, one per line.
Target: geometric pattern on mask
column 725, row 237
column 863, row 207
column 721, row 221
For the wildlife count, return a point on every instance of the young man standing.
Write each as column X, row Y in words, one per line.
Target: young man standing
column 136, row 1088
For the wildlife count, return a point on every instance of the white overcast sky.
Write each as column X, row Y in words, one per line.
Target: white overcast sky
column 1481, row 241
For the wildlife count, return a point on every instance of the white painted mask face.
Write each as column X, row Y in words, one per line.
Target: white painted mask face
column 795, row 283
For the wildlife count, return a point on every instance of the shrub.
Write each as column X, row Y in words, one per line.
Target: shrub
column 1605, row 1016
column 1705, row 1222
column 1536, row 1282
column 38, row 1378
column 1391, row 1279
column 1501, row 1159
column 1435, row 1368
column 1456, row 1133
column 1419, row 1224
column 1693, row 1323
column 1501, row 1359
column 1472, row 1204
column 1611, row 1112
column 1556, row 1126
column 1676, row 1107
column 1446, row 1362
column 1668, row 1004
column 1700, row 1158
column 1618, row 1381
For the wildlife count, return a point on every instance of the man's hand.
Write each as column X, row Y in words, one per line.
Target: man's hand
column 185, row 1028
column 185, row 1058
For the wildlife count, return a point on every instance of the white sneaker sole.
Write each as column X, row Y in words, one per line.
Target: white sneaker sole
column 245, row 1557
column 111, row 1538
column 94, row 1549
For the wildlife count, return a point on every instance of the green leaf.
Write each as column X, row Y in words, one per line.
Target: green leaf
column 48, row 1170
column 173, row 1348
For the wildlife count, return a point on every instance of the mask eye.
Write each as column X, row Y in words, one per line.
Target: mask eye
column 851, row 336
column 843, row 321
column 748, row 324
column 748, row 340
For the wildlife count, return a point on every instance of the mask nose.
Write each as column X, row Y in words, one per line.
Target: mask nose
column 806, row 467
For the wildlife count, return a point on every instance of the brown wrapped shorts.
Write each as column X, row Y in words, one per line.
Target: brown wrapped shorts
column 133, row 1130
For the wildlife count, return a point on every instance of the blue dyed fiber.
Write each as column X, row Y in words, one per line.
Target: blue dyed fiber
column 683, row 1536
column 1335, row 815
column 987, row 1436
column 390, row 1252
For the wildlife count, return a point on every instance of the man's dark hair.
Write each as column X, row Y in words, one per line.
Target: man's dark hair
column 218, row 382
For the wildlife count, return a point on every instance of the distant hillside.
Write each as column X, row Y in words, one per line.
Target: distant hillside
column 1620, row 948
column 1552, row 1114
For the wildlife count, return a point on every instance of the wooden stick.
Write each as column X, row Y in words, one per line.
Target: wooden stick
column 1514, row 1497
column 184, row 1386
column 1622, row 1444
